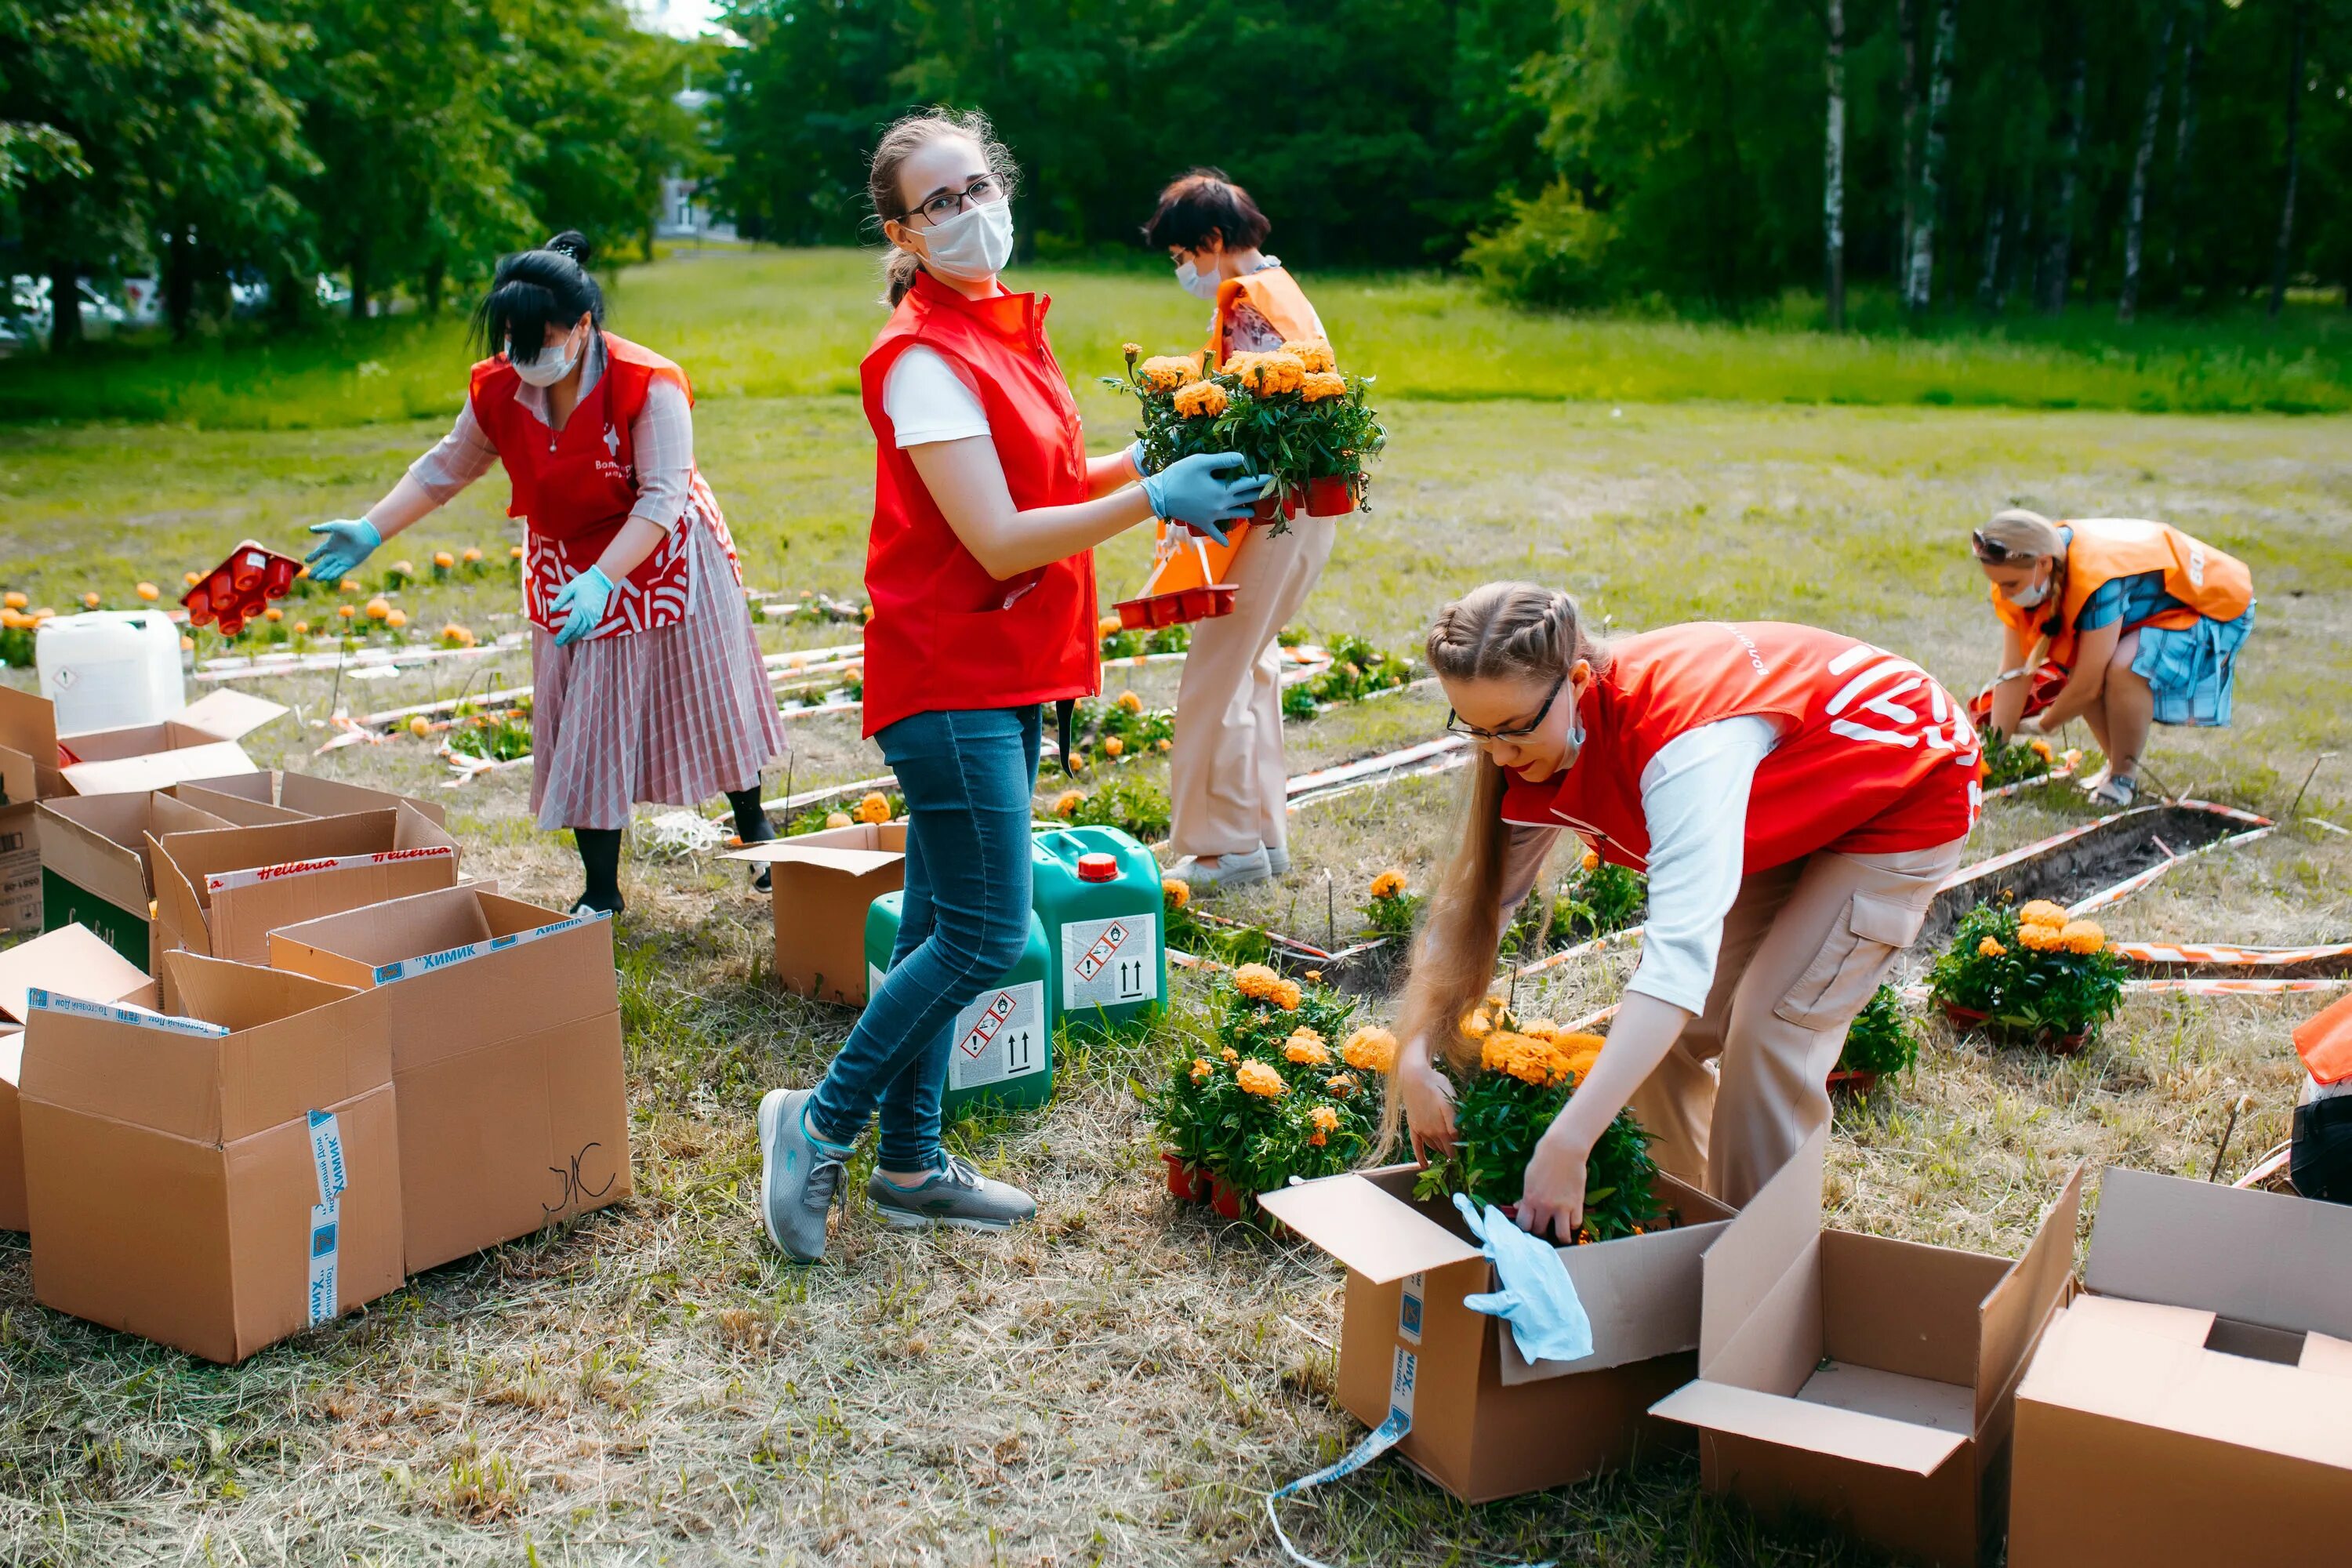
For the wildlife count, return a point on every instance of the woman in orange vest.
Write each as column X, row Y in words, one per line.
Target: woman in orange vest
column 2114, row 621
column 1796, row 798
column 1226, row 771
column 647, row 683
column 981, row 567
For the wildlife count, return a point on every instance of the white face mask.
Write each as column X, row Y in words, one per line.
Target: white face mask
column 972, row 246
column 1200, row 285
column 2026, row 598
column 548, row 368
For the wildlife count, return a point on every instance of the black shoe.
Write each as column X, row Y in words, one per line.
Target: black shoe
column 760, row 882
column 584, row 905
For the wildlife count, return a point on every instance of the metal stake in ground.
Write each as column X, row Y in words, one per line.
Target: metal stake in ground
column 2307, row 777
column 2228, row 1127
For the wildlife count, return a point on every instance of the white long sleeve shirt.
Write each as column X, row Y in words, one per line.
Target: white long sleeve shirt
column 1695, row 801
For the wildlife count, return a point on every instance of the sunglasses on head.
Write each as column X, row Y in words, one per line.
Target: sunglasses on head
column 1993, row 550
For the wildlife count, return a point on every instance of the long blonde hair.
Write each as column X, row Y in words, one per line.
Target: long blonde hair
column 908, row 135
column 1501, row 629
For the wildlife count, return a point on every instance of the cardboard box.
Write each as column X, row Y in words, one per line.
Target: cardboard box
column 222, row 891
column 198, row 742
column 2195, row 1406
column 821, row 885
column 73, row 963
column 505, row 1054
column 279, row 796
column 28, row 774
column 1486, row 1423
column 96, row 869
column 1863, row 1379
column 216, row 1181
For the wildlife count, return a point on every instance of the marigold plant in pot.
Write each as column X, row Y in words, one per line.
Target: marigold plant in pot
column 1879, row 1043
column 2029, row 975
column 1526, row 1073
column 2005, row 762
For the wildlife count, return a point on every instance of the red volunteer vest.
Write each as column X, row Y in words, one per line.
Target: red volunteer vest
column 945, row 634
column 1875, row 757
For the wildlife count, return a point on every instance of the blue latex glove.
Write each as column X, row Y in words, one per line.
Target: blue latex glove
column 1194, row 491
column 1538, row 1298
column 586, row 598
column 1135, row 455
column 348, row 542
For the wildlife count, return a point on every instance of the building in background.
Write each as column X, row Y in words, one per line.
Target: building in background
column 684, row 215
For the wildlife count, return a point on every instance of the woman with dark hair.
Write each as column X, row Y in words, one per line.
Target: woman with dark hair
column 986, row 513
column 647, row 683
column 1226, row 771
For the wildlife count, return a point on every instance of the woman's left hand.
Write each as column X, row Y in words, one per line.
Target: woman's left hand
column 1552, row 1202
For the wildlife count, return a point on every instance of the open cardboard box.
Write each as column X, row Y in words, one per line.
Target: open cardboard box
column 216, row 1181
column 73, row 962
column 505, row 1054
column 28, row 774
column 257, row 799
column 1863, row 1379
column 821, row 883
column 96, row 867
column 198, row 742
column 2195, row 1406
column 222, row 891
column 1486, row 1423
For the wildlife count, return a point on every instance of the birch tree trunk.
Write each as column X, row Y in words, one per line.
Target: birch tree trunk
column 2279, row 258
column 2193, row 47
column 1906, row 28
column 2151, row 114
column 1833, row 170
column 2055, row 257
column 1918, row 288
column 1989, row 275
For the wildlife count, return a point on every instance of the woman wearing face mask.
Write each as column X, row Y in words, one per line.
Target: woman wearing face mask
column 1226, row 771
column 645, row 677
column 2114, row 621
column 986, row 510
column 1796, row 798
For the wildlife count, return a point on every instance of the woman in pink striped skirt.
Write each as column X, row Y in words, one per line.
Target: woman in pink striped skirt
column 648, row 683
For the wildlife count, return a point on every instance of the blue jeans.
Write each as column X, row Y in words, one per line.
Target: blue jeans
column 968, row 775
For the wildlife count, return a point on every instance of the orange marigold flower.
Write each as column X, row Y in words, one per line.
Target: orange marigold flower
column 1326, row 1119
column 1476, row 1024
column 471, row 557
column 1340, row 1085
column 2042, row 913
column 149, row 591
column 1165, row 742
column 873, row 809
column 1370, row 1049
column 1199, row 400
column 444, row 560
column 346, row 612
column 1316, row 1141
column 1130, row 702
column 420, row 726
column 1066, row 804
column 838, row 819
column 514, row 551
column 1113, row 746
column 1175, row 892
column 1312, row 353
column 1266, row 374
column 2073, row 757
column 379, row 608
column 1166, row 372
column 1229, row 1054
column 1257, row 981
column 273, row 614
column 1991, row 948
column 2083, row 936
column 1201, row 1070
column 1388, row 884
column 1260, row 1078
column 1306, row 1048
column 396, row 620
column 90, row 601
column 1579, row 1062
column 2041, row 748
column 2040, row 938
column 1287, row 995
column 1317, row 385
column 1129, row 350
column 1107, row 625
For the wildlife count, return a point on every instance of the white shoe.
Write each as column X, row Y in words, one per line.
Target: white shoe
column 2121, row 790
column 2093, row 783
column 1230, row 872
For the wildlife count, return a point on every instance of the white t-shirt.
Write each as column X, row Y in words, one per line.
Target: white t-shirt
column 928, row 402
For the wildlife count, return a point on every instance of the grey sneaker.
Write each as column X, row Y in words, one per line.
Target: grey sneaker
column 1230, row 872
column 1278, row 861
column 958, row 1195
column 798, row 1180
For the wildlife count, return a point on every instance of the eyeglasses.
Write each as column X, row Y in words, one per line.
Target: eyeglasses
column 1455, row 726
column 983, row 191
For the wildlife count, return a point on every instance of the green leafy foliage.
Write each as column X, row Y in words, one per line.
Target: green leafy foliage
column 499, row 737
column 1881, row 1039
column 1593, row 901
column 1392, row 909
column 1128, row 641
column 1121, row 731
column 1358, row 670
column 2008, row 762
column 2041, row 993
column 1125, row 801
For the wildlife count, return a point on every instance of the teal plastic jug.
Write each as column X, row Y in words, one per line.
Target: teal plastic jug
column 1097, row 893
column 1002, row 1047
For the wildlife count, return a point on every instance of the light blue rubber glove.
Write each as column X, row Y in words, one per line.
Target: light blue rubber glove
column 1135, row 455
column 348, row 542
column 1194, row 491
column 1538, row 1298
column 584, row 598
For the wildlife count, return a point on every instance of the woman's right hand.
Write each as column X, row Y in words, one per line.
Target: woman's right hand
column 1197, row 493
column 349, row 541
column 1428, row 1097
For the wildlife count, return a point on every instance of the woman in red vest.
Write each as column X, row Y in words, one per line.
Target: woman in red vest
column 647, row 683
column 986, row 511
column 1226, row 774
column 2118, row 622
column 1796, row 798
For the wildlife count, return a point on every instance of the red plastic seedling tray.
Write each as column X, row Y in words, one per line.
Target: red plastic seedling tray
column 239, row 588
column 1172, row 609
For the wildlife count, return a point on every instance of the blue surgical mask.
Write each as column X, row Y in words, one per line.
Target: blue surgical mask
column 1200, row 285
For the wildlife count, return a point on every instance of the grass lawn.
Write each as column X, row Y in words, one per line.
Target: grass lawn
column 1118, row 1382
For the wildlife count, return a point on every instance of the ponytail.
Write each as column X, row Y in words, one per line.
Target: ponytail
column 907, row 136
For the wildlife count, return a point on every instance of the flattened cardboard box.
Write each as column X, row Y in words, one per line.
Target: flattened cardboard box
column 2195, row 1406
column 1868, row 1381
column 215, row 1181
column 75, row 962
column 97, row 868
column 821, row 884
column 505, row 1054
column 222, row 892
column 28, row 773
column 1486, row 1423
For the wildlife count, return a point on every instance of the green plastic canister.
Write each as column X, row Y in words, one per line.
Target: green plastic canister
column 1002, row 1047
column 1097, row 892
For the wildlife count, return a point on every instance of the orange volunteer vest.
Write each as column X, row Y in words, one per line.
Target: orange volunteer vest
column 1875, row 756
column 945, row 634
column 2208, row 583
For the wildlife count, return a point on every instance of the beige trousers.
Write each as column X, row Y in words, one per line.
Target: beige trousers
column 1804, row 947
column 1226, row 771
